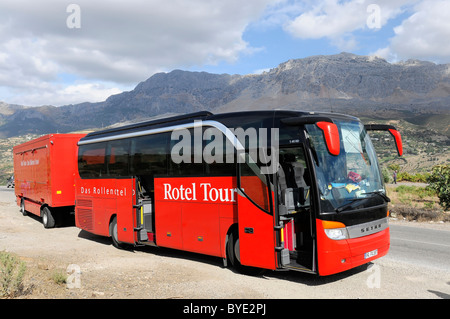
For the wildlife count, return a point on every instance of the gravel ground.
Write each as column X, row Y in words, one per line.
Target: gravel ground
column 102, row 271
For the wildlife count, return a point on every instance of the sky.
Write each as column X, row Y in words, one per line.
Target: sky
column 57, row 52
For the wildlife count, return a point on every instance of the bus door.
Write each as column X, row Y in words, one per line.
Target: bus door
column 255, row 217
column 144, row 210
column 294, row 209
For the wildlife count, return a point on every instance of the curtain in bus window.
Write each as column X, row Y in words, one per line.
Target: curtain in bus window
column 91, row 160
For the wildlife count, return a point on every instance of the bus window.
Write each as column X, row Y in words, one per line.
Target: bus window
column 118, row 164
column 254, row 184
column 149, row 155
column 190, row 153
column 218, row 154
column 91, row 160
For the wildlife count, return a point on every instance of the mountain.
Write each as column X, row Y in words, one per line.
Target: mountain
column 347, row 83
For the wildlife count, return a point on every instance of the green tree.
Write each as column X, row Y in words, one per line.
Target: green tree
column 439, row 180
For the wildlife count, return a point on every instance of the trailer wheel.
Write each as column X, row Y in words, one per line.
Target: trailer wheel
column 22, row 207
column 47, row 218
column 113, row 233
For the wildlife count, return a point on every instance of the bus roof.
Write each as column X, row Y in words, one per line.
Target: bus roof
column 204, row 115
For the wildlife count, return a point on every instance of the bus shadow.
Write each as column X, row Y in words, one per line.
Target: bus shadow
column 288, row 275
column 66, row 222
column 314, row 279
column 96, row 238
column 154, row 250
column 180, row 254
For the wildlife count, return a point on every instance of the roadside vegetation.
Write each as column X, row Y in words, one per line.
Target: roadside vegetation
column 12, row 271
column 415, row 203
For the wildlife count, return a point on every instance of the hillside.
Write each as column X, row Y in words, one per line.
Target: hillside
column 346, row 83
column 413, row 95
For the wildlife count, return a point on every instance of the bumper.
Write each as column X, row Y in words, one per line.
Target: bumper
column 335, row 256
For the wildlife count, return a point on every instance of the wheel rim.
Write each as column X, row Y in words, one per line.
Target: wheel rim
column 115, row 232
column 237, row 251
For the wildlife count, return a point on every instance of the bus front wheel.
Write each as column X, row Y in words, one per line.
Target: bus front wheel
column 233, row 254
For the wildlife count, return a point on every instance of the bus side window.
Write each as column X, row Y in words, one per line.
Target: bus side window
column 149, row 155
column 254, row 184
column 189, row 153
column 91, row 160
column 118, row 164
column 218, row 154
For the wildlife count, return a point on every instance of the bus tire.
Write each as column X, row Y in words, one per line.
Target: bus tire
column 48, row 219
column 113, row 233
column 233, row 254
column 233, row 239
column 22, row 207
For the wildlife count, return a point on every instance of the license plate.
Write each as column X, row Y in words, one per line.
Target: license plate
column 371, row 254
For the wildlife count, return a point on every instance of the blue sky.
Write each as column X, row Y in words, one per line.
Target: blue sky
column 53, row 53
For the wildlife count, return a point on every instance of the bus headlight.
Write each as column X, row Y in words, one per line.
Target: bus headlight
column 335, row 230
column 337, row 233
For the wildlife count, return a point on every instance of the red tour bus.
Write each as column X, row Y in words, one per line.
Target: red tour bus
column 264, row 189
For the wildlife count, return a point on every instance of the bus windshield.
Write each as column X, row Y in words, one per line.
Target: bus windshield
column 348, row 180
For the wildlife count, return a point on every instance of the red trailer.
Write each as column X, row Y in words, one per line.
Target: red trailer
column 44, row 171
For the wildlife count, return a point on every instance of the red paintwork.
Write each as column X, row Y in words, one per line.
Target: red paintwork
column 98, row 200
column 330, row 253
column 44, row 171
column 331, row 134
column 398, row 141
column 195, row 213
column 257, row 249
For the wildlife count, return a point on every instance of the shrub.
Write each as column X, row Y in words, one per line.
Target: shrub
column 59, row 277
column 439, row 180
column 386, row 177
column 12, row 271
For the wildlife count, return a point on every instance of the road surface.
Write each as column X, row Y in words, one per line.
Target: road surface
column 417, row 266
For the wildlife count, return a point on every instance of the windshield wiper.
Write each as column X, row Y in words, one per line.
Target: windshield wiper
column 380, row 193
column 363, row 199
column 348, row 205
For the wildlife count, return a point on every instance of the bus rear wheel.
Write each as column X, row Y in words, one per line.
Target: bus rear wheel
column 113, row 233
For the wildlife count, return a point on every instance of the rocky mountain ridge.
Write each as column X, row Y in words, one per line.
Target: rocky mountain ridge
column 345, row 83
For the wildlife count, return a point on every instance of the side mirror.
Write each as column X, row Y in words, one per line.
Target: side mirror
column 392, row 130
column 329, row 129
column 331, row 135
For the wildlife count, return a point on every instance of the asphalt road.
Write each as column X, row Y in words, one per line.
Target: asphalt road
column 426, row 247
column 416, row 267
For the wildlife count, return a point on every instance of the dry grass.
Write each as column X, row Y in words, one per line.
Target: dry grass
column 415, row 202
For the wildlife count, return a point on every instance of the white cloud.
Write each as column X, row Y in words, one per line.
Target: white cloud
column 337, row 20
column 424, row 35
column 41, row 94
column 121, row 42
